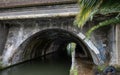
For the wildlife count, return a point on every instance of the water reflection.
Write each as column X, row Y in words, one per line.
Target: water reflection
column 55, row 64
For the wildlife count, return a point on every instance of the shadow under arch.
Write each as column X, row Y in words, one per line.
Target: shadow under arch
column 50, row 40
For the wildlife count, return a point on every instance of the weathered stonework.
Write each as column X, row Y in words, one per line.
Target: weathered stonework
column 3, row 37
column 117, row 48
column 30, row 32
column 21, row 31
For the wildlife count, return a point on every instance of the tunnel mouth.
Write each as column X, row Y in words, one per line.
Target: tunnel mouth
column 47, row 42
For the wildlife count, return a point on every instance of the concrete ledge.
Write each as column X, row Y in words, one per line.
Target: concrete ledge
column 39, row 13
column 21, row 3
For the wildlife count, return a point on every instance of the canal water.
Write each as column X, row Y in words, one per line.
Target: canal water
column 52, row 64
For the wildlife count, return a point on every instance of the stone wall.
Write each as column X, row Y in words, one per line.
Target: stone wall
column 117, row 44
column 21, row 30
column 3, row 36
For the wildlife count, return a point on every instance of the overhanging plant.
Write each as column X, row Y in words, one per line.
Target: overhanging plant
column 88, row 8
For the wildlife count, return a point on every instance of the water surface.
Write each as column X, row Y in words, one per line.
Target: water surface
column 54, row 64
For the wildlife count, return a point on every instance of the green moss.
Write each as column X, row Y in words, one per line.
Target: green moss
column 101, row 67
column 117, row 67
column 1, row 65
column 74, row 71
column 71, row 47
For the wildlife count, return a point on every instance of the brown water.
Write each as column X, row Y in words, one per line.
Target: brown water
column 54, row 64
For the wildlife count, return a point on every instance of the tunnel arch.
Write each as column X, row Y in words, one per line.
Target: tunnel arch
column 48, row 39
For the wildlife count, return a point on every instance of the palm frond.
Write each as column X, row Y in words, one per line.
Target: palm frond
column 112, row 21
column 110, row 6
column 87, row 7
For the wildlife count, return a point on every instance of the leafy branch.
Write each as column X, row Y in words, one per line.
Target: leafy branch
column 112, row 21
column 88, row 8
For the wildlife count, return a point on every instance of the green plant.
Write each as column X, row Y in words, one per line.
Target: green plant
column 88, row 8
column 112, row 21
column 74, row 71
column 71, row 47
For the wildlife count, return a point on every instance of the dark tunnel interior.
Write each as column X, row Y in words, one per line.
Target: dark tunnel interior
column 49, row 41
column 48, row 47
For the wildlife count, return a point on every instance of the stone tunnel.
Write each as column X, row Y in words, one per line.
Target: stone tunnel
column 31, row 38
column 28, row 34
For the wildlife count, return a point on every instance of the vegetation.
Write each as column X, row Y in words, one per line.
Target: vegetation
column 74, row 71
column 88, row 8
column 70, row 48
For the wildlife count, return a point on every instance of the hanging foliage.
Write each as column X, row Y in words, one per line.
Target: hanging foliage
column 88, row 8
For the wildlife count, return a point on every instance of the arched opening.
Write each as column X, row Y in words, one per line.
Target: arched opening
column 47, row 42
